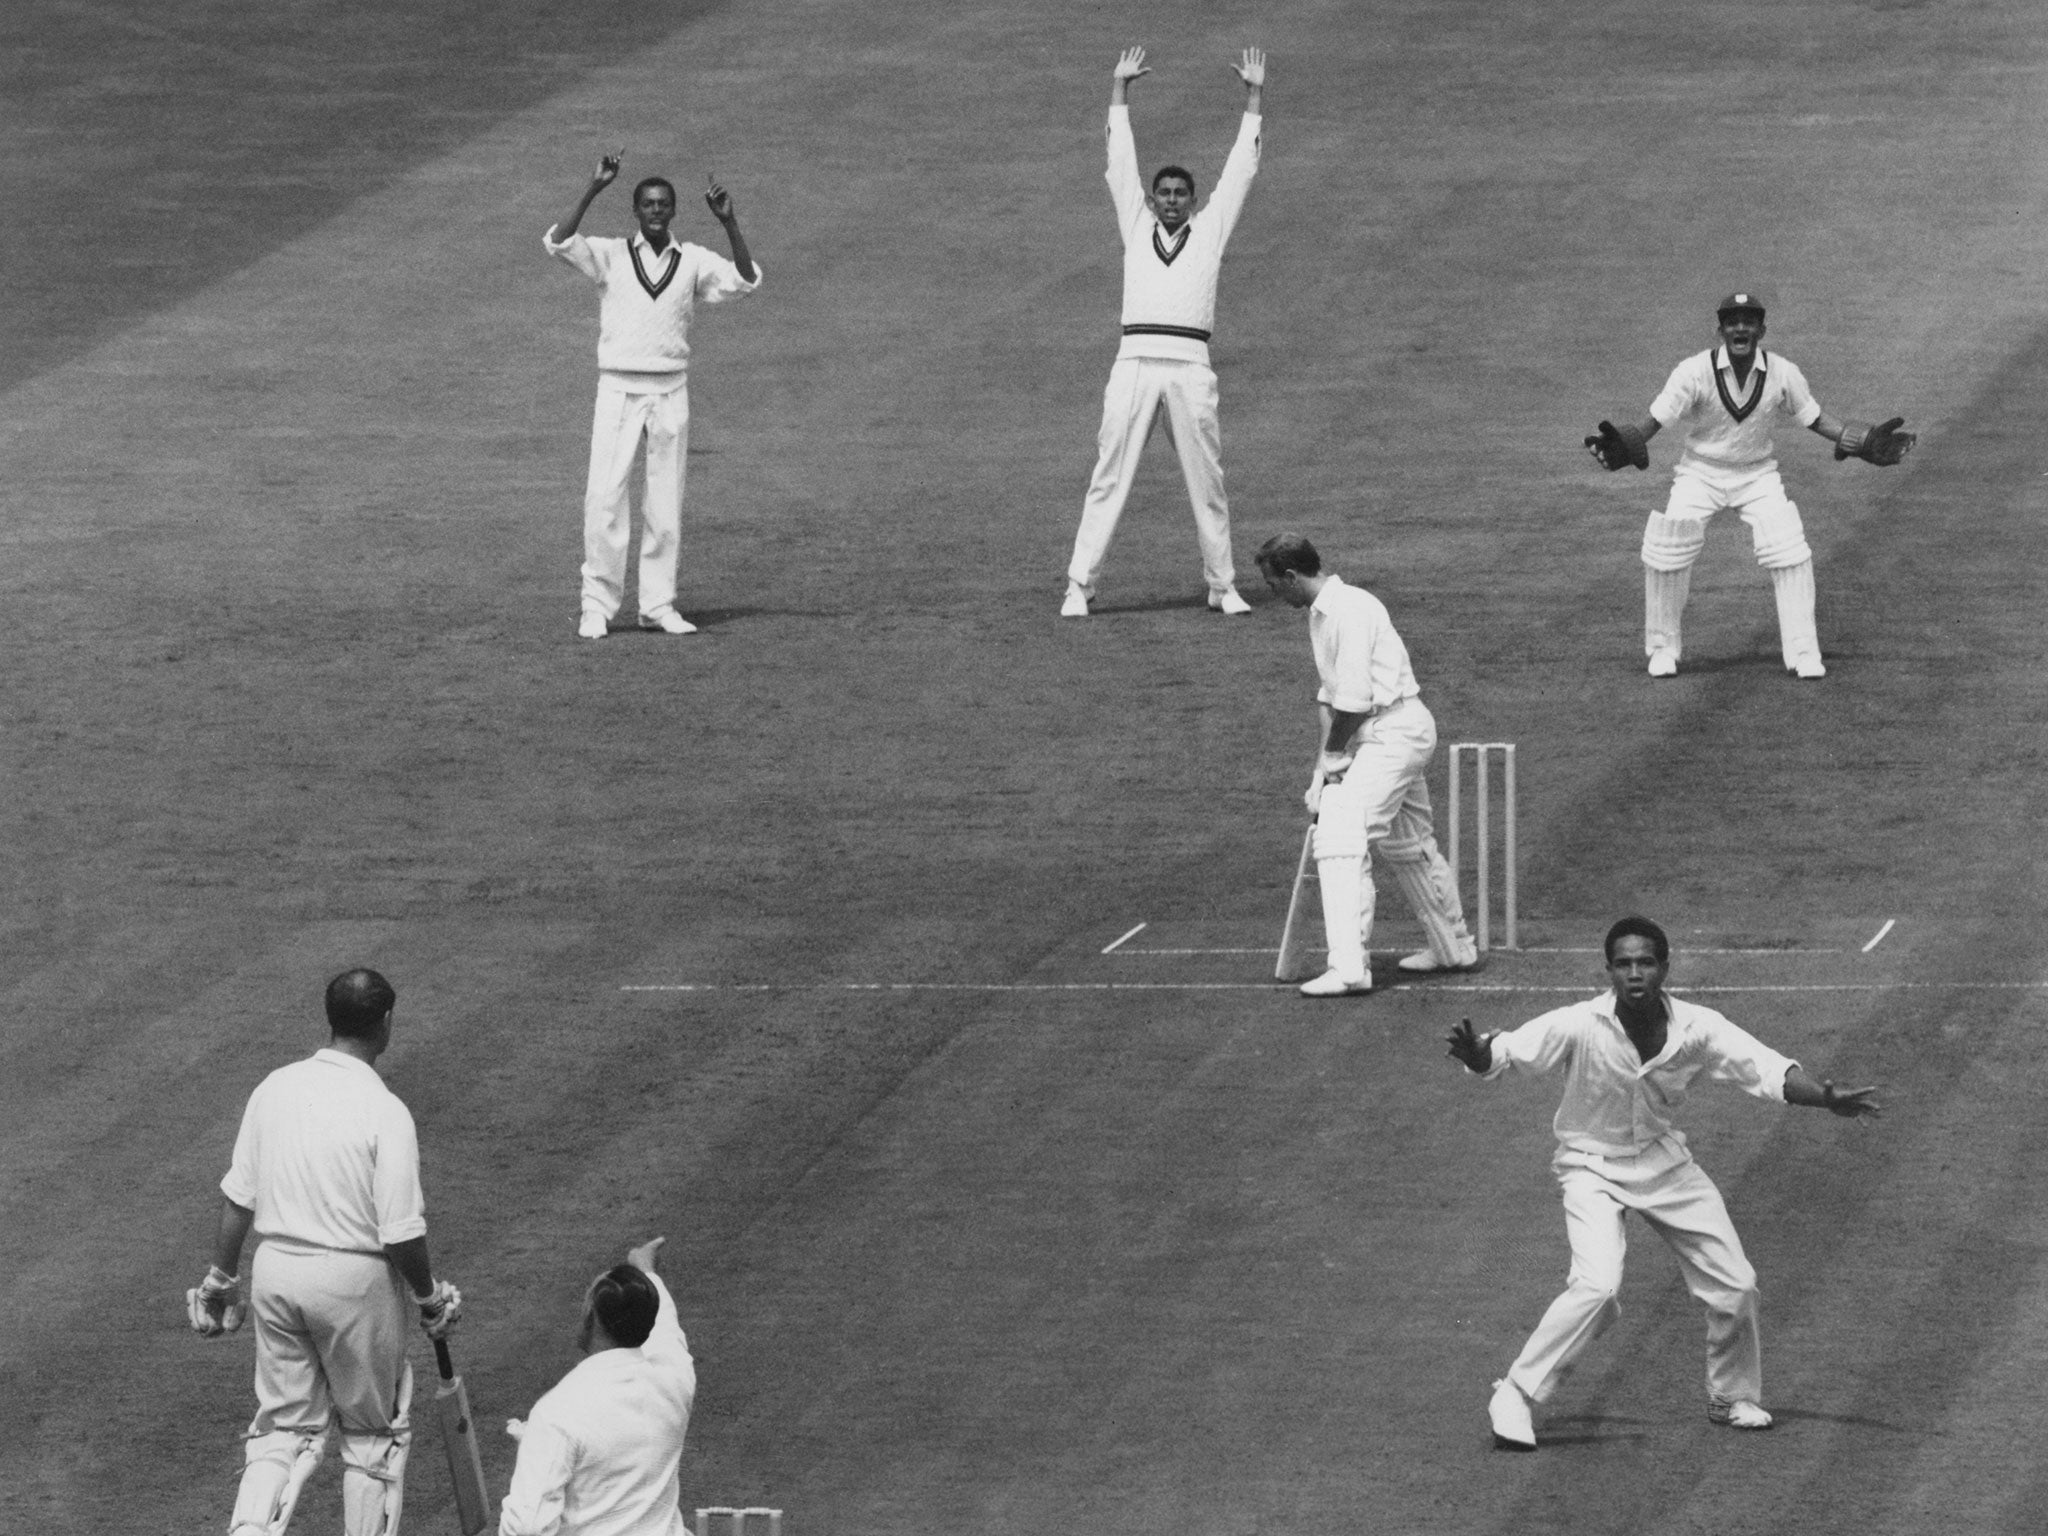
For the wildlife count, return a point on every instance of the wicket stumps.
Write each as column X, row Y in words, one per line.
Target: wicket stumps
column 739, row 1519
column 1483, row 755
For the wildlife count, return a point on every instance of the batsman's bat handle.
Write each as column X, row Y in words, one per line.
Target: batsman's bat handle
column 443, row 1361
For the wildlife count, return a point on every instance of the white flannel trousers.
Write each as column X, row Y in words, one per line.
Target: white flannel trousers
column 623, row 419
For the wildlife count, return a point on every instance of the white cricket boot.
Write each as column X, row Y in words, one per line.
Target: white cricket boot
column 1076, row 605
column 1514, row 1427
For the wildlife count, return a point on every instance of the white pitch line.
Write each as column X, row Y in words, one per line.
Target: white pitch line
column 1688, row 949
column 1878, row 938
column 1131, row 935
column 1272, row 986
column 1267, row 951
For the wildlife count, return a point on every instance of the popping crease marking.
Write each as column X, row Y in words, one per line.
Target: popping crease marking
column 1272, row 986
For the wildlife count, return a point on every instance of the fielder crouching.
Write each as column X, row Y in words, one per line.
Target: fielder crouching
column 326, row 1173
column 1628, row 1056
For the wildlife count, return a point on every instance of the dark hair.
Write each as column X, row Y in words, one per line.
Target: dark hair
column 654, row 181
column 1173, row 170
column 624, row 1302
column 1641, row 928
column 1288, row 552
column 357, row 1002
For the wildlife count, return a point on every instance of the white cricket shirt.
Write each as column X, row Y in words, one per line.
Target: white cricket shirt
column 1170, row 281
column 327, row 1156
column 1615, row 1103
column 646, row 300
column 601, row 1449
column 1362, row 662
column 1724, row 428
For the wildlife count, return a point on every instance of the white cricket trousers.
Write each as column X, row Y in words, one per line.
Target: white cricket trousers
column 1673, row 538
column 1683, row 1207
column 1382, row 803
column 624, row 418
column 1141, row 390
column 331, row 1336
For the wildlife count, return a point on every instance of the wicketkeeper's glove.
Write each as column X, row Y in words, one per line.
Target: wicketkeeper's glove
column 1883, row 444
column 1615, row 446
column 214, row 1305
column 440, row 1309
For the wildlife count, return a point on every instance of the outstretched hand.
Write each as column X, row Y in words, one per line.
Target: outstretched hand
column 1850, row 1103
column 1130, row 64
column 1253, row 70
column 1468, row 1047
column 643, row 1258
column 608, row 168
column 719, row 201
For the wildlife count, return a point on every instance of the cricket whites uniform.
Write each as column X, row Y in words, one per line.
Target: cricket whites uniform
column 1383, row 797
column 1619, row 1152
column 643, row 360
column 328, row 1160
column 1168, row 314
column 1728, row 462
column 599, row 1454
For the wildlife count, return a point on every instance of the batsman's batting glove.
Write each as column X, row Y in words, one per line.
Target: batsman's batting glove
column 1314, row 798
column 440, row 1309
column 1333, row 766
column 214, row 1305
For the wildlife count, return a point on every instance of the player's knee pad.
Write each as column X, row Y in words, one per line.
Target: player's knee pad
column 373, row 1482
column 1673, row 543
column 1780, row 538
column 1399, row 848
column 1339, row 837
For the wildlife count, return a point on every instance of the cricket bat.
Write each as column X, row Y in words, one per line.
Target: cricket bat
column 1294, row 941
column 458, row 1438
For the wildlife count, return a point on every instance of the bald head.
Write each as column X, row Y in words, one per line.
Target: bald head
column 358, row 1002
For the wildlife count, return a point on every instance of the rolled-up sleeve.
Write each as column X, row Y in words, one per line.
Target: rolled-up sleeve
column 576, row 251
column 395, row 1183
column 1797, row 400
column 1126, row 186
column 540, row 1482
column 1677, row 397
column 1536, row 1047
column 719, row 280
column 240, row 1183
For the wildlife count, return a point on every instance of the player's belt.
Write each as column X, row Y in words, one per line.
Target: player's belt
column 1189, row 331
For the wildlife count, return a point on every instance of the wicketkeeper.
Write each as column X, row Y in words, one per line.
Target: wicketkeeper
column 1727, row 397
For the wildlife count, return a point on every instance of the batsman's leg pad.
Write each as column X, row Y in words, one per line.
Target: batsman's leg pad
column 373, row 1482
column 1779, row 536
column 1673, row 543
column 1798, row 635
column 276, row 1466
column 1340, row 822
column 1425, row 881
column 1344, row 884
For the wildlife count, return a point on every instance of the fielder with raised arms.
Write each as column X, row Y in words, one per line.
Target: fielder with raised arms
column 1172, row 258
column 1727, row 397
column 326, row 1173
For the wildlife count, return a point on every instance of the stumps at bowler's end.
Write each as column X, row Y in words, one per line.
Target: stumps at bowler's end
column 1483, row 755
column 739, row 1521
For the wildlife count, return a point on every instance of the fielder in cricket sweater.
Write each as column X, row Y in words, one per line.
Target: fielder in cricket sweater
column 1172, row 258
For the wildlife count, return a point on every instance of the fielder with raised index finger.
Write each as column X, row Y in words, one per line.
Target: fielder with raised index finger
column 648, row 286
column 326, row 1173
column 1172, row 259
column 1727, row 397
column 1628, row 1056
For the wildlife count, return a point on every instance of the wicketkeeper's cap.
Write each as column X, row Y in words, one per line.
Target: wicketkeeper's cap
column 1741, row 303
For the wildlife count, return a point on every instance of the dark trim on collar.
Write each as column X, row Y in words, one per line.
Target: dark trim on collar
column 1180, row 243
column 1741, row 412
column 675, row 261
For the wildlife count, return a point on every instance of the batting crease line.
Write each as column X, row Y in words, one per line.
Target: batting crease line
column 1269, row 986
column 1111, row 949
column 1526, row 950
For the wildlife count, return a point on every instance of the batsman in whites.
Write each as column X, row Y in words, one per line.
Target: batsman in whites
column 326, row 1174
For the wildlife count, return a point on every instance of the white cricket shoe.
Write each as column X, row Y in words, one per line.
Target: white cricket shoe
column 1743, row 1415
column 1228, row 602
column 1664, row 663
column 1514, row 1429
column 1076, row 605
column 592, row 626
column 1809, row 667
column 1424, row 961
column 1337, row 984
column 668, row 621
